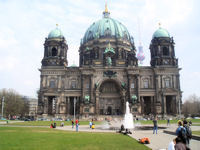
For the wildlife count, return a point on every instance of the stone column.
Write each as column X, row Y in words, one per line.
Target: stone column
column 82, row 87
column 164, row 104
column 142, row 104
column 91, row 89
column 59, row 82
column 45, row 105
column 97, row 102
column 138, row 86
column 68, row 105
column 152, row 104
column 156, row 88
column 57, row 111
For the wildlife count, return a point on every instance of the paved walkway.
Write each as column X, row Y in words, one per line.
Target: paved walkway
column 158, row 141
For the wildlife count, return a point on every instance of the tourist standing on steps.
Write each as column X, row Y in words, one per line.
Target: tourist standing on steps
column 155, row 125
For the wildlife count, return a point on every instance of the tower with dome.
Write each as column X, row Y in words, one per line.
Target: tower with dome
column 108, row 75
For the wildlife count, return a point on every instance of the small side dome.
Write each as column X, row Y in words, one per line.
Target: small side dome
column 161, row 33
column 56, row 33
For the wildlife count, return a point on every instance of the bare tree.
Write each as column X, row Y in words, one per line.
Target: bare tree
column 191, row 106
column 15, row 104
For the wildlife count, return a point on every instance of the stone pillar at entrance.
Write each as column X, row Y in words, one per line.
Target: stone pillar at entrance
column 97, row 103
column 57, row 105
column 68, row 105
column 142, row 104
column 45, row 105
column 164, row 104
column 152, row 104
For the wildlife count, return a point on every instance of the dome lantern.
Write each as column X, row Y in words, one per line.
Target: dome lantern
column 106, row 13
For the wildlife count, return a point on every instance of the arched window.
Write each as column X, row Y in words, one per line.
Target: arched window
column 165, row 51
column 145, row 83
column 90, row 35
column 107, row 32
column 125, row 35
column 52, row 84
column 167, row 83
column 54, row 52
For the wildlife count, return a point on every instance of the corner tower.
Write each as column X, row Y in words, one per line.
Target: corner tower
column 55, row 49
column 162, row 49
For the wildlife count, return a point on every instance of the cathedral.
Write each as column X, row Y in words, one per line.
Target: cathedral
column 108, row 75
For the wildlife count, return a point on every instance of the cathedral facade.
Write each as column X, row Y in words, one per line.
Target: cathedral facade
column 108, row 75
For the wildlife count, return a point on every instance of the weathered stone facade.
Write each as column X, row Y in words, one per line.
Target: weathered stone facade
column 108, row 75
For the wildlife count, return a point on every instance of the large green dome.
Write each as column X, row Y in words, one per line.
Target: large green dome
column 56, row 33
column 161, row 33
column 106, row 27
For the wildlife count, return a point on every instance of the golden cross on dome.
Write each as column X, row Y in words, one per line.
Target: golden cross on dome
column 56, row 25
column 159, row 24
column 106, row 7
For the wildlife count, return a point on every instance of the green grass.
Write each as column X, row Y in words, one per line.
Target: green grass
column 144, row 122
column 21, row 138
column 48, row 123
column 196, row 133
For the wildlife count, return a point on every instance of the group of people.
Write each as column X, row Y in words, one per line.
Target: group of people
column 91, row 124
column 124, row 131
column 184, row 135
column 77, row 124
column 53, row 125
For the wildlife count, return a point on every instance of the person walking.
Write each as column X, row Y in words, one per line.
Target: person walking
column 155, row 125
column 181, row 132
column 72, row 124
column 188, row 132
column 180, row 145
column 77, row 124
column 168, row 122
column 90, row 123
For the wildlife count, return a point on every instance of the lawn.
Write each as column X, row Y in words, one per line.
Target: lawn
column 21, row 138
column 165, row 121
column 48, row 123
column 196, row 133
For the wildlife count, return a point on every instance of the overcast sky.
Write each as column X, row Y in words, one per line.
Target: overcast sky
column 24, row 25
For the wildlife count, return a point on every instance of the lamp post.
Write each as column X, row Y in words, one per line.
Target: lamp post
column 2, row 105
column 74, row 108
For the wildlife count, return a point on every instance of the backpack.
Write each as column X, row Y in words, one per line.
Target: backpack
column 144, row 140
column 188, row 131
column 182, row 135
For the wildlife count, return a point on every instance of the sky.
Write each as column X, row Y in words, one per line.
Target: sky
column 24, row 25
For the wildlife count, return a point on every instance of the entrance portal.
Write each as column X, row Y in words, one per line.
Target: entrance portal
column 170, row 105
column 110, row 99
column 51, row 105
column 147, row 105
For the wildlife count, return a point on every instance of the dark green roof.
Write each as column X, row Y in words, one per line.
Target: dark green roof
column 105, row 26
column 56, row 33
column 161, row 33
